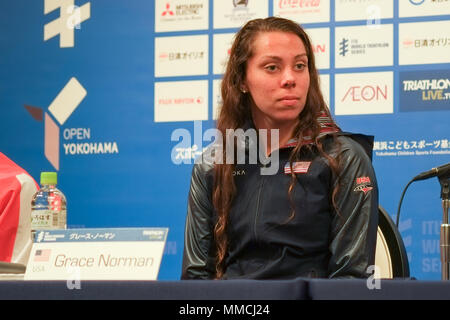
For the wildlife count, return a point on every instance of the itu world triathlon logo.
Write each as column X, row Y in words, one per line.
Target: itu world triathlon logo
column 343, row 47
column 65, row 103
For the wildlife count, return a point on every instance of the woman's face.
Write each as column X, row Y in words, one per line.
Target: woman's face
column 277, row 78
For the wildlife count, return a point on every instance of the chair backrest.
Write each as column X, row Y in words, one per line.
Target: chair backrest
column 390, row 254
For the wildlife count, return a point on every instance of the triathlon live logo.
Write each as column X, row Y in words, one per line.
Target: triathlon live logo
column 70, row 19
column 427, row 90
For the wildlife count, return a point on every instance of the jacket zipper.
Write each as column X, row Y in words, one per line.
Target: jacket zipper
column 258, row 200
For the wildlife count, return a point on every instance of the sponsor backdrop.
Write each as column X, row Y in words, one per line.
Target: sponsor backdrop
column 117, row 95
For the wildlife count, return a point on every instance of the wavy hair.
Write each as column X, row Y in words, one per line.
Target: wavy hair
column 235, row 112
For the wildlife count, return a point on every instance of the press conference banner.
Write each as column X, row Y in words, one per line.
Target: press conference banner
column 118, row 96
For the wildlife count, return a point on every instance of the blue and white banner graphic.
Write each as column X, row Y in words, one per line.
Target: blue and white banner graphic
column 96, row 90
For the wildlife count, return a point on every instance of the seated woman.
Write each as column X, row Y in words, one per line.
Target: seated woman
column 316, row 216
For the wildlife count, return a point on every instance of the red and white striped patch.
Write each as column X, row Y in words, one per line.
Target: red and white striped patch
column 297, row 167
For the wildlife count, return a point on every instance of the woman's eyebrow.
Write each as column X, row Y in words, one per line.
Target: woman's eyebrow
column 301, row 56
column 279, row 58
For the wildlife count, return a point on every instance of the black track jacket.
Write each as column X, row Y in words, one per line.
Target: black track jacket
column 264, row 243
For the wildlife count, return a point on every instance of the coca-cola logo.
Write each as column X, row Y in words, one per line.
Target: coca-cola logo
column 291, row 4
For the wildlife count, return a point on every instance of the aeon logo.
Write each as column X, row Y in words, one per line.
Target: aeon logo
column 70, row 18
column 319, row 48
column 366, row 93
column 65, row 103
column 286, row 4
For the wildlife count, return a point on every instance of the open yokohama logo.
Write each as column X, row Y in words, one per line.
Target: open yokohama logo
column 65, row 103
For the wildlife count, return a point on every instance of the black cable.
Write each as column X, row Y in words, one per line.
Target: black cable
column 401, row 200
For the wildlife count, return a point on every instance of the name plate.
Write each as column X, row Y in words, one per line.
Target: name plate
column 97, row 254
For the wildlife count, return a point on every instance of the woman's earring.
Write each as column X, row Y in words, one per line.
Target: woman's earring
column 243, row 90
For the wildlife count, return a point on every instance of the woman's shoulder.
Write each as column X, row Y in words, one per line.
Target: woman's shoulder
column 350, row 143
column 204, row 163
column 362, row 140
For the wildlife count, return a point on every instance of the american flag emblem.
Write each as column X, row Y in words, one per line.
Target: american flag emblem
column 42, row 255
column 297, row 167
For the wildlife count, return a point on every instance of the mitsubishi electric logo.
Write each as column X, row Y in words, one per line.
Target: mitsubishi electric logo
column 167, row 11
column 70, row 19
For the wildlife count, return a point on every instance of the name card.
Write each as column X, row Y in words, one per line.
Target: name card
column 97, row 254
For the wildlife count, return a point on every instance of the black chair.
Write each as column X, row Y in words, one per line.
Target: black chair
column 390, row 256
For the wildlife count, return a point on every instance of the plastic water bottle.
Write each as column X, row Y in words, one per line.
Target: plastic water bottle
column 48, row 205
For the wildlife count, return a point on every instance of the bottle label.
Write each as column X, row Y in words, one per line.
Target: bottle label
column 48, row 219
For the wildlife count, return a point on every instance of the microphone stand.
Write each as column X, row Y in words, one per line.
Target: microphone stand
column 445, row 227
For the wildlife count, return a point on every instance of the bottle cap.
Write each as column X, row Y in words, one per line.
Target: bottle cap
column 48, row 178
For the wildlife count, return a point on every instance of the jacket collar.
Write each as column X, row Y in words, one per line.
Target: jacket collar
column 327, row 127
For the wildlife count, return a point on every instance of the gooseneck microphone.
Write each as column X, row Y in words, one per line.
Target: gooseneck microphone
column 440, row 171
column 443, row 173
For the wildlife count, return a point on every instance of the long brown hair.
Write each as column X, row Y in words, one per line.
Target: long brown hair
column 235, row 112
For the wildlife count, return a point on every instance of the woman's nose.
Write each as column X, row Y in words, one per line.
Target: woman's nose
column 288, row 80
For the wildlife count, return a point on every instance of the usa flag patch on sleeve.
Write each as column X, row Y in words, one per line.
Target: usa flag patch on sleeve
column 297, row 167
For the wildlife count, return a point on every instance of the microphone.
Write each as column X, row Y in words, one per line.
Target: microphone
column 441, row 172
column 438, row 171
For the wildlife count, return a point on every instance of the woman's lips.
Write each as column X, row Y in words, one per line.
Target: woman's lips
column 289, row 100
